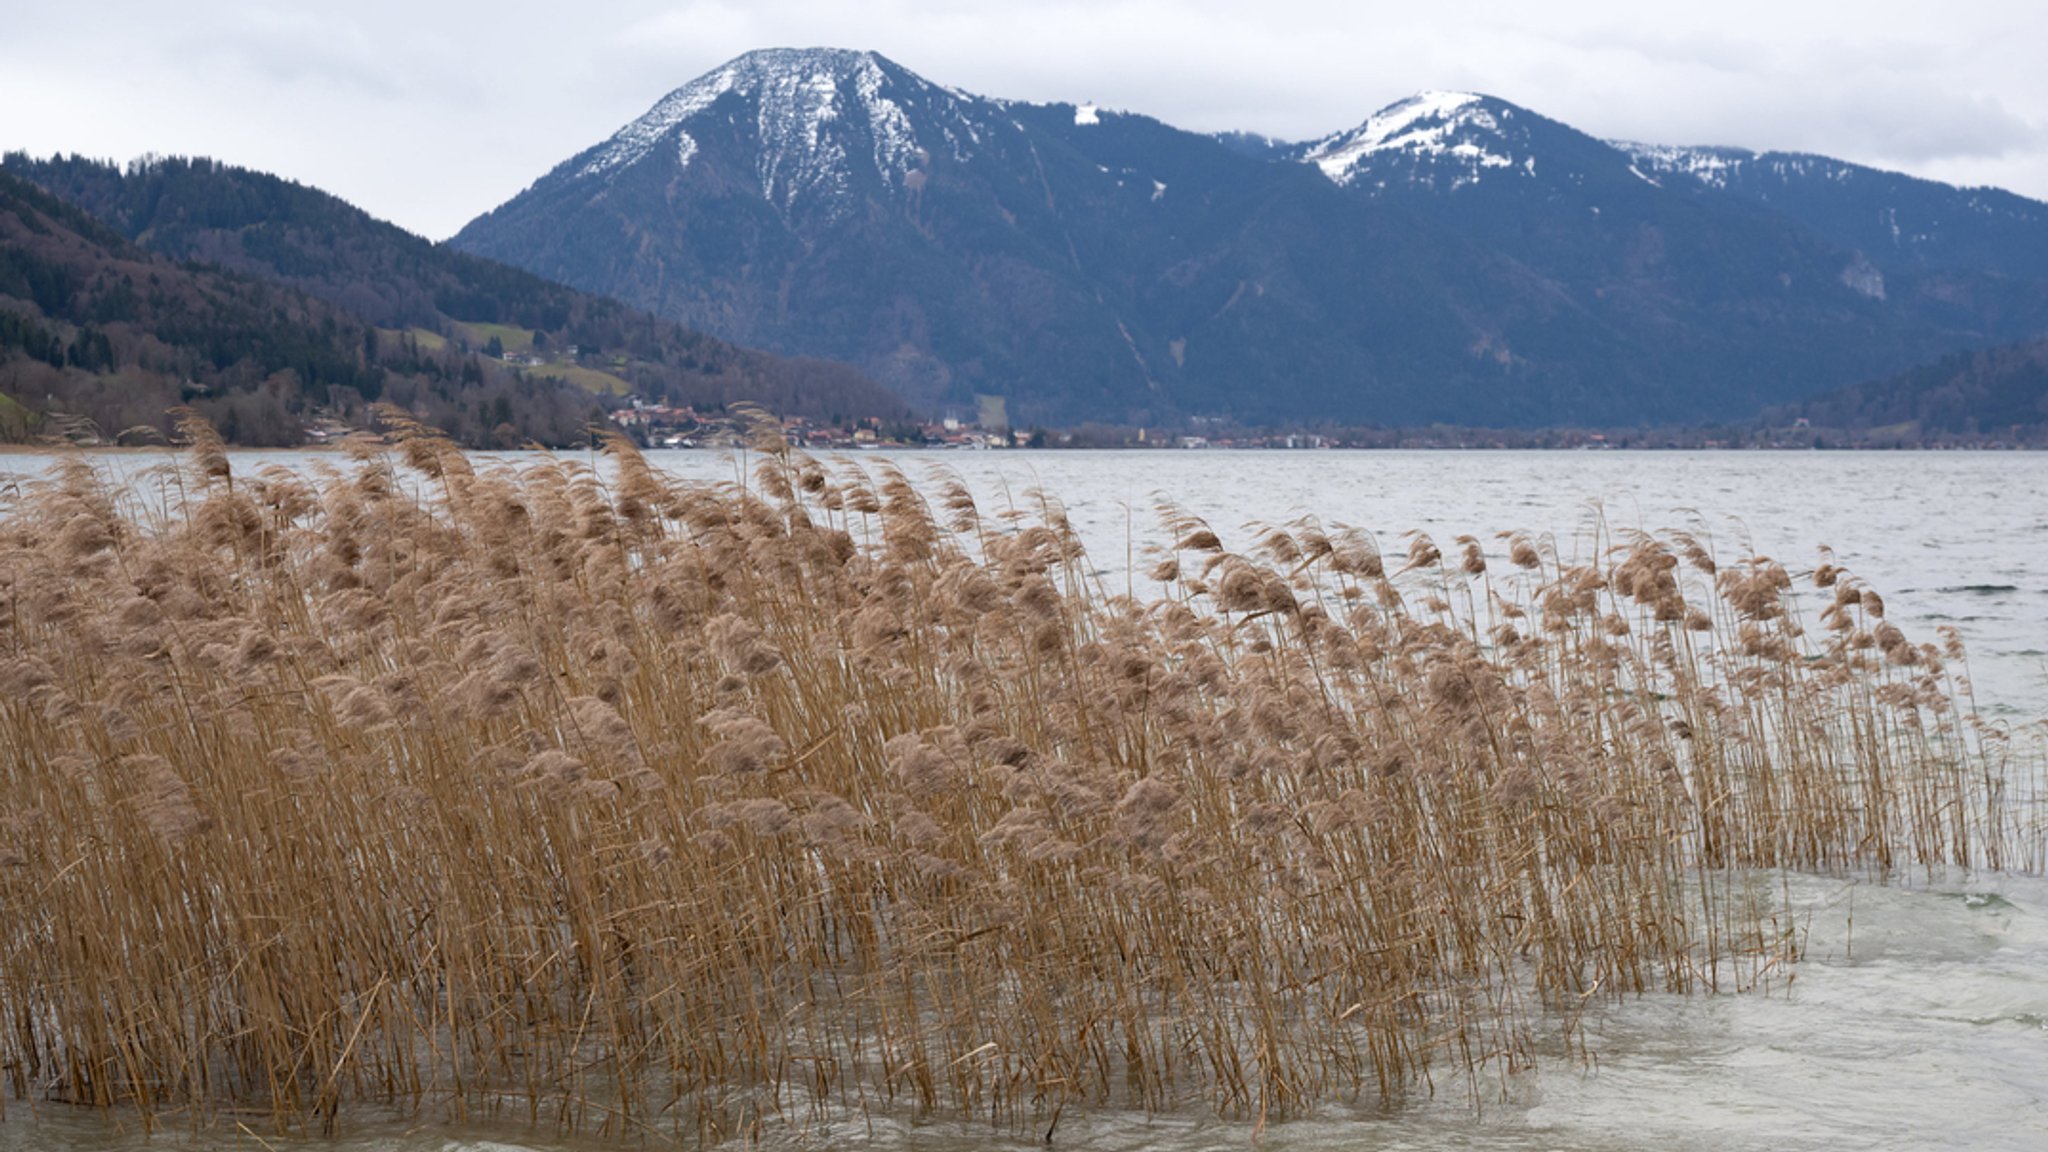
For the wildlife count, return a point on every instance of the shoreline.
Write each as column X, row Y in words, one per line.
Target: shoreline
column 12, row 450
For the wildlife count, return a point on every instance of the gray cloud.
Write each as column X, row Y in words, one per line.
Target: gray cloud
column 1916, row 127
column 295, row 48
column 429, row 113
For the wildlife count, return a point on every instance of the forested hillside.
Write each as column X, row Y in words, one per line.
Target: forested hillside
column 109, row 337
column 1998, row 394
column 457, row 322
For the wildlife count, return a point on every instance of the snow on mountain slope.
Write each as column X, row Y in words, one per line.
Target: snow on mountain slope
column 1733, row 168
column 816, row 123
column 1460, row 135
column 1892, row 218
column 802, row 103
column 1713, row 167
column 1722, row 168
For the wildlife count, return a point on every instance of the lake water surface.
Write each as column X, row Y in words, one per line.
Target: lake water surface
column 1920, row 1017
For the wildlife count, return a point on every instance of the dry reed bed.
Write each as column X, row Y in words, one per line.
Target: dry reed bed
column 644, row 807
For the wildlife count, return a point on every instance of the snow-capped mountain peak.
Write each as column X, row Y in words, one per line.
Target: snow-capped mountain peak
column 802, row 101
column 1463, row 131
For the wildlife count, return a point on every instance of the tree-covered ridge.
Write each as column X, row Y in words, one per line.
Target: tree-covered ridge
column 94, row 329
column 1999, row 393
column 201, row 209
column 276, row 229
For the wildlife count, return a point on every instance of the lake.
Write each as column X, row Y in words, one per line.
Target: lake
column 1920, row 1016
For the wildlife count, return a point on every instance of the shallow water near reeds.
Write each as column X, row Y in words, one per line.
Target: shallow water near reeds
column 1919, row 1018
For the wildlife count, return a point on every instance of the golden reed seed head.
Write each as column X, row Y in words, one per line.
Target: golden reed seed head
column 1522, row 553
column 83, row 535
column 1473, row 562
column 1422, row 552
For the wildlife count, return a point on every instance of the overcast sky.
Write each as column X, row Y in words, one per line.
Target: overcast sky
column 428, row 113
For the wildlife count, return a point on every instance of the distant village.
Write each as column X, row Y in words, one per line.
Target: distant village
column 681, row 426
column 669, row 426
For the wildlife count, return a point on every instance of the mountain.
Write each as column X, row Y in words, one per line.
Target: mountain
column 94, row 328
column 1078, row 263
column 1680, row 279
column 264, row 227
column 1453, row 258
column 835, row 203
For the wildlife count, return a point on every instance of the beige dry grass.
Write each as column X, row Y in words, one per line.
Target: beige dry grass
column 638, row 807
